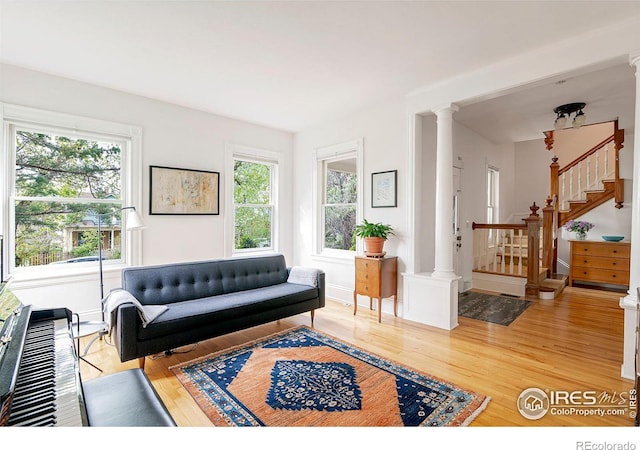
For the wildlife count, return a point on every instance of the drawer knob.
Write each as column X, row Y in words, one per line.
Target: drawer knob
column 585, row 261
column 614, row 264
column 615, row 251
column 614, row 275
column 584, row 273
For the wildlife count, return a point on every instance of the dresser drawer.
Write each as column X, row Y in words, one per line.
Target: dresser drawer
column 599, row 262
column 613, row 250
column 367, row 269
column 595, row 275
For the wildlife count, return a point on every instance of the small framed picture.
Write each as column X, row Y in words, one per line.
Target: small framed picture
column 183, row 191
column 383, row 189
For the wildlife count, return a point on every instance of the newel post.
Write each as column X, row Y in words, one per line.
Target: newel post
column 548, row 232
column 532, row 288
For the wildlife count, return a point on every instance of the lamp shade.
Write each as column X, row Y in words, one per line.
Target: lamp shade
column 134, row 221
column 561, row 122
column 579, row 120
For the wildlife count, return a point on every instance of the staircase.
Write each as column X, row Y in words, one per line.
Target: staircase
column 587, row 182
column 593, row 198
column 523, row 257
column 590, row 180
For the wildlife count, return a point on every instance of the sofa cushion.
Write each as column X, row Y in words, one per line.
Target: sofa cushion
column 171, row 283
column 182, row 316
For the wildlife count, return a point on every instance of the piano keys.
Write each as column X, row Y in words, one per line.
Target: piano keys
column 39, row 370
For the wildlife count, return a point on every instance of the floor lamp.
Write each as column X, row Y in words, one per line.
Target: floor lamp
column 133, row 222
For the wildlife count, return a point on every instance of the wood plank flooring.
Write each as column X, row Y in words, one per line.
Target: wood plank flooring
column 571, row 343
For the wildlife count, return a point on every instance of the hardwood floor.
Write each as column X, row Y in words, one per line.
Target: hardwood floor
column 572, row 343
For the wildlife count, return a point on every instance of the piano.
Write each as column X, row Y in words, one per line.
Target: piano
column 40, row 381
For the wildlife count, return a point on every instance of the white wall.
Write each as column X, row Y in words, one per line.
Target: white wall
column 384, row 133
column 173, row 136
column 532, row 161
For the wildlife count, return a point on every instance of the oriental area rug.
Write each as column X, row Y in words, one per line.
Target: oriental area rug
column 301, row 377
column 498, row 309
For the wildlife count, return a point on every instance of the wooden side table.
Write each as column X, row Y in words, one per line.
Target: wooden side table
column 376, row 278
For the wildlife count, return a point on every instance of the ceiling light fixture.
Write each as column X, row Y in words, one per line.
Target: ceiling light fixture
column 563, row 112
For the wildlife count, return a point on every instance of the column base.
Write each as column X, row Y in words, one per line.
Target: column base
column 630, row 306
column 431, row 300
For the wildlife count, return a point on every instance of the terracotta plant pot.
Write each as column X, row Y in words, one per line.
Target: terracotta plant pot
column 373, row 245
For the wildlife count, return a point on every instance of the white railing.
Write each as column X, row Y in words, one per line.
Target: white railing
column 501, row 249
column 586, row 174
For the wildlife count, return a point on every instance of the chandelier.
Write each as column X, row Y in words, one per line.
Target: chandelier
column 563, row 112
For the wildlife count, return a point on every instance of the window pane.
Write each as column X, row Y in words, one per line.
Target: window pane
column 253, row 227
column 252, row 183
column 339, row 222
column 50, row 165
column 341, row 182
column 54, row 232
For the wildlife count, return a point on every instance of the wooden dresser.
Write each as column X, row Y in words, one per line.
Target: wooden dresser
column 376, row 278
column 600, row 262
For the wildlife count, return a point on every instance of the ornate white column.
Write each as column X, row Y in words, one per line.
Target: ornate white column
column 444, row 194
column 630, row 302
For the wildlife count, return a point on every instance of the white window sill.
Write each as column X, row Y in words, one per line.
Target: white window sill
column 44, row 276
column 346, row 258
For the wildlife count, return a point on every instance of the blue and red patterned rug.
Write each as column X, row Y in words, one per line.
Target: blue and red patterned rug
column 301, row 377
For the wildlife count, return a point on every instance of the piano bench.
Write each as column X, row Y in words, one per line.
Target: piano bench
column 124, row 399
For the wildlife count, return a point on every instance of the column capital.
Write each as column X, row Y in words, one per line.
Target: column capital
column 634, row 58
column 446, row 108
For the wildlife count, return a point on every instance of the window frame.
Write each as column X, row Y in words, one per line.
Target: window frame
column 261, row 156
column 322, row 157
column 35, row 120
column 493, row 194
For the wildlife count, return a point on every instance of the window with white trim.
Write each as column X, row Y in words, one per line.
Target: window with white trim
column 59, row 182
column 253, row 205
column 493, row 194
column 253, row 192
column 338, row 197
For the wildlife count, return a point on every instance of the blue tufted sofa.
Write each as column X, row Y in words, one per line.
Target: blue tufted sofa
column 206, row 299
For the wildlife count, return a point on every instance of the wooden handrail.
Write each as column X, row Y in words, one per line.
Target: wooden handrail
column 499, row 226
column 587, row 154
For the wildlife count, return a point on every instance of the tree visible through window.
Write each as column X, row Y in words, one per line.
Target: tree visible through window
column 253, row 204
column 341, row 195
column 61, row 185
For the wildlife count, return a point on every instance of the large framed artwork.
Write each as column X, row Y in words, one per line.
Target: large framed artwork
column 383, row 189
column 183, row 191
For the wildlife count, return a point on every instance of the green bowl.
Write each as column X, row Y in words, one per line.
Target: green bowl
column 613, row 238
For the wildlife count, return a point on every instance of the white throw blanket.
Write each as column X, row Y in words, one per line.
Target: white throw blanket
column 304, row 275
column 117, row 297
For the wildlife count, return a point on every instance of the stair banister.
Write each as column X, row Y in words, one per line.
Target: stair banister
column 619, row 144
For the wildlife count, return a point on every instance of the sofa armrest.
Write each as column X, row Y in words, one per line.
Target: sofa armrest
column 126, row 331
column 321, row 288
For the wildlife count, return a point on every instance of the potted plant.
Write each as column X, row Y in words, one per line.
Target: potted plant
column 374, row 235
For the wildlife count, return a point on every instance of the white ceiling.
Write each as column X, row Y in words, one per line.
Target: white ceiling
column 291, row 64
